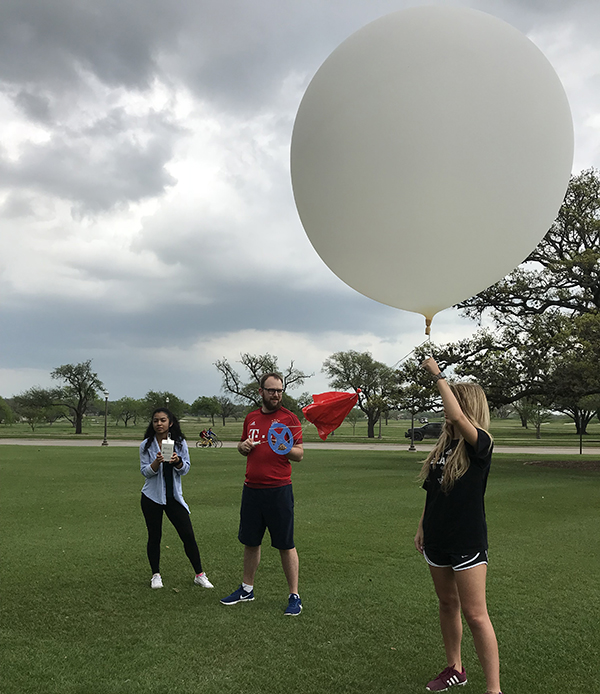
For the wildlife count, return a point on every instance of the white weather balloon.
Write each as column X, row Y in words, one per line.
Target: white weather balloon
column 430, row 154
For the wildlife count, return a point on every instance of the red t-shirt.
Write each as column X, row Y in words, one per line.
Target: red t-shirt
column 264, row 467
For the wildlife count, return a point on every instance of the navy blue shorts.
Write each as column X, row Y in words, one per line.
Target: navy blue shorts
column 271, row 508
column 457, row 561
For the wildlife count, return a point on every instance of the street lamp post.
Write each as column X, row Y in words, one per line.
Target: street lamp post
column 412, row 429
column 105, row 442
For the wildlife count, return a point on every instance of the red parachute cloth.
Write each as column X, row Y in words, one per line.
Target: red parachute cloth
column 329, row 410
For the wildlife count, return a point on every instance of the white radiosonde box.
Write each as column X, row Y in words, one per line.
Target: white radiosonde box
column 167, row 448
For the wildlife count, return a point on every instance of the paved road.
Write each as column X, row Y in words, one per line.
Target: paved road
column 329, row 445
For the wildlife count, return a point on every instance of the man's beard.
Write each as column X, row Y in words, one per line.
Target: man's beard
column 270, row 407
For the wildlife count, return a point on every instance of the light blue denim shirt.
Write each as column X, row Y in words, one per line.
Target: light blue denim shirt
column 154, row 488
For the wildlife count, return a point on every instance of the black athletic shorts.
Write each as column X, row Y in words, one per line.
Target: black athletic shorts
column 457, row 561
column 271, row 508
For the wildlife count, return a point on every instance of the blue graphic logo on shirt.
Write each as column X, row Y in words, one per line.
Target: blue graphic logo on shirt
column 280, row 438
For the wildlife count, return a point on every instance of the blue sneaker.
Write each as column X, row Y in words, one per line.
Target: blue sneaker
column 238, row 595
column 294, row 605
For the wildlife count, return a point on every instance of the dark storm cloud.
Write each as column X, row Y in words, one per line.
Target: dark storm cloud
column 50, row 43
column 217, row 47
column 100, row 165
column 233, row 52
column 48, row 51
column 58, row 332
column 35, row 107
column 62, row 330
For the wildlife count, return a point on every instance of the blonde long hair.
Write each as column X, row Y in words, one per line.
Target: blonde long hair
column 474, row 405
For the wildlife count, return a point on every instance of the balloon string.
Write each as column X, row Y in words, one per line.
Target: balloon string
column 411, row 351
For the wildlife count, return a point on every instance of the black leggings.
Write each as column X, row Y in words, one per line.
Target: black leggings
column 180, row 518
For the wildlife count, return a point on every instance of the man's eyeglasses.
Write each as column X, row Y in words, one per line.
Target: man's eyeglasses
column 272, row 391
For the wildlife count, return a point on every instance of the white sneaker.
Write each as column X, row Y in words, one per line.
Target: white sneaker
column 201, row 580
column 156, row 581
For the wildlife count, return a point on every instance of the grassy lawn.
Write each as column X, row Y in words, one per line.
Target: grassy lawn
column 78, row 616
column 507, row 432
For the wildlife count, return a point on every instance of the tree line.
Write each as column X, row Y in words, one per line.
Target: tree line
column 538, row 354
column 81, row 396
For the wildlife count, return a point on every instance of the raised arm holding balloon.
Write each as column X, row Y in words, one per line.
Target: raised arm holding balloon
column 453, row 413
column 271, row 438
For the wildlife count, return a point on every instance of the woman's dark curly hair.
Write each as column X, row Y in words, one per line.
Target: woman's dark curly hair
column 174, row 428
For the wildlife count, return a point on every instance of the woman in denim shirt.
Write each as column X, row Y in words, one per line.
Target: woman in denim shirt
column 162, row 493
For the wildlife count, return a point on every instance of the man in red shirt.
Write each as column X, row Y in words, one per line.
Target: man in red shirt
column 271, row 440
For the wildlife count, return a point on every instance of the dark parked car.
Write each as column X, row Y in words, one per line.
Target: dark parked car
column 427, row 431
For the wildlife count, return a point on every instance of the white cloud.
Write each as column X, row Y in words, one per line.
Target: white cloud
column 15, row 131
column 576, row 60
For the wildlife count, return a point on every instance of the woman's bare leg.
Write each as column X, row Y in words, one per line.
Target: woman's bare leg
column 450, row 620
column 471, row 589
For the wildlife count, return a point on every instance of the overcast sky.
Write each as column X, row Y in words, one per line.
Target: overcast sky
column 146, row 213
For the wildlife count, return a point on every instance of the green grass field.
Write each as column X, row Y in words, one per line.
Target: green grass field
column 507, row 432
column 78, row 616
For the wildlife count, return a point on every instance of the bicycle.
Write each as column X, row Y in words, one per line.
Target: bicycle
column 211, row 442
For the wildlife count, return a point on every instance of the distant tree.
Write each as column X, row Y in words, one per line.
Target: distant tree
column 575, row 374
column 416, row 392
column 503, row 411
column 540, row 415
column 239, row 412
column 360, row 372
column 126, row 410
column 292, row 404
column 354, row 416
column 524, row 408
column 32, row 406
column 7, row 416
column 256, row 365
column 155, row 399
column 226, row 407
column 53, row 413
column 80, row 390
column 591, row 403
column 206, row 407
column 304, row 399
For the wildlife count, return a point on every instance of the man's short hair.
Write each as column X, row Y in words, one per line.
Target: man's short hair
column 273, row 374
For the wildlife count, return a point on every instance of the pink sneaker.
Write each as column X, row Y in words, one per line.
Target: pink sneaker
column 446, row 679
